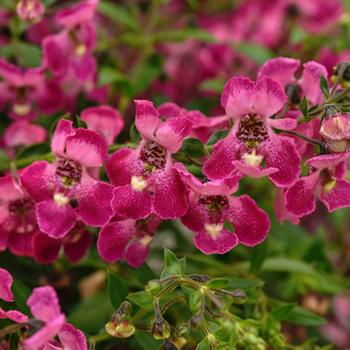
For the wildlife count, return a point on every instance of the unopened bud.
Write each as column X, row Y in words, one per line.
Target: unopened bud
column 239, row 296
column 344, row 69
column 181, row 330
column 153, row 287
column 124, row 329
column 196, row 320
column 168, row 345
column 160, row 328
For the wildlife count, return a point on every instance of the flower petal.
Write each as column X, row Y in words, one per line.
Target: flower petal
column 281, row 153
column 87, row 148
column 220, row 244
column 6, row 281
column 280, row 69
column 253, row 171
column 13, row 315
column 147, row 118
column 283, row 123
column 113, row 239
column 338, row 197
column 171, row 197
column 63, row 129
column 220, row 164
column 44, row 304
column 238, row 97
column 55, row 220
column 94, row 205
column 300, row 198
column 172, row 132
column 310, row 81
column 131, row 204
column 76, row 250
column 326, row 160
column 136, row 253
column 250, row 222
column 72, row 338
column 45, row 248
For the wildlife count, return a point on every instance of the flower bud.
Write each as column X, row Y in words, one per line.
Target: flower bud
column 344, row 68
column 239, row 296
column 124, row 329
column 196, row 320
column 153, row 287
column 181, row 330
column 30, row 10
column 160, row 328
column 168, row 345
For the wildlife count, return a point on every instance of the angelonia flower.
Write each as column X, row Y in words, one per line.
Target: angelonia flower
column 252, row 141
column 67, row 189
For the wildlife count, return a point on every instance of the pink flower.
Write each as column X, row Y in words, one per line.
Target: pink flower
column 30, row 10
column 202, row 126
column 75, row 245
column 212, row 206
column 252, row 140
column 105, row 120
column 50, row 321
column 335, row 131
column 17, row 218
column 28, row 91
column 144, row 178
column 283, row 70
column 127, row 240
column 6, row 281
column 66, row 189
column 325, row 182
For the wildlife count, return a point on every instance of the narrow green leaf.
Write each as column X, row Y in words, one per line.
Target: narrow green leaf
column 172, row 265
column 281, row 312
column 142, row 299
column 257, row 256
column 324, row 86
column 204, row 344
column 304, row 107
column 256, row 52
column 193, row 148
column 116, row 289
column 21, row 293
column 303, row 317
column 218, row 135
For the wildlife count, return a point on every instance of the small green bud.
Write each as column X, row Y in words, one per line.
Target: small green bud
column 160, row 328
column 196, row 320
column 181, row 330
column 153, row 287
column 344, row 68
column 239, row 296
column 124, row 329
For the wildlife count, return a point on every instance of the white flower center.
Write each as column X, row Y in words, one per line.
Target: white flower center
column 21, row 108
column 138, row 183
column 213, row 229
column 253, row 159
column 60, row 199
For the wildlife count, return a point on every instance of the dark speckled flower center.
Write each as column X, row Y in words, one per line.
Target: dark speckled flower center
column 153, row 157
column 69, row 172
column 252, row 130
column 215, row 205
column 21, row 216
column 20, row 207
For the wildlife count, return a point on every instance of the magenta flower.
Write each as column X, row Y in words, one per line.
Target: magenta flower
column 127, row 240
column 212, row 206
column 30, row 10
column 68, row 183
column 17, row 218
column 325, row 182
column 51, row 322
column 283, row 70
column 145, row 179
column 105, row 120
column 6, row 294
column 75, row 245
column 28, row 91
column 252, row 140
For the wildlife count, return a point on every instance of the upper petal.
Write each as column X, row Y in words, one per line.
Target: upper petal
column 171, row 133
column 280, row 69
column 44, row 304
column 63, row 129
column 45, row 248
column 147, row 118
column 238, row 97
column 87, row 147
column 310, row 81
column 338, row 197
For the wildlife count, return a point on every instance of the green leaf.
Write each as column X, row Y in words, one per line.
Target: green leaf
column 116, row 289
column 281, row 312
column 142, row 299
column 204, row 344
column 195, row 301
column 324, row 86
column 109, row 75
column 216, row 283
column 303, row 317
column 287, row 265
column 256, row 52
column 257, row 256
column 240, row 283
column 144, row 341
column 184, row 34
column 21, row 293
column 218, row 135
column 92, row 314
column 172, row 265
column 134, row 134
column 216, row 85
column 29, row 55
column 144, row 274
column 118, row 14
column 193, row 147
